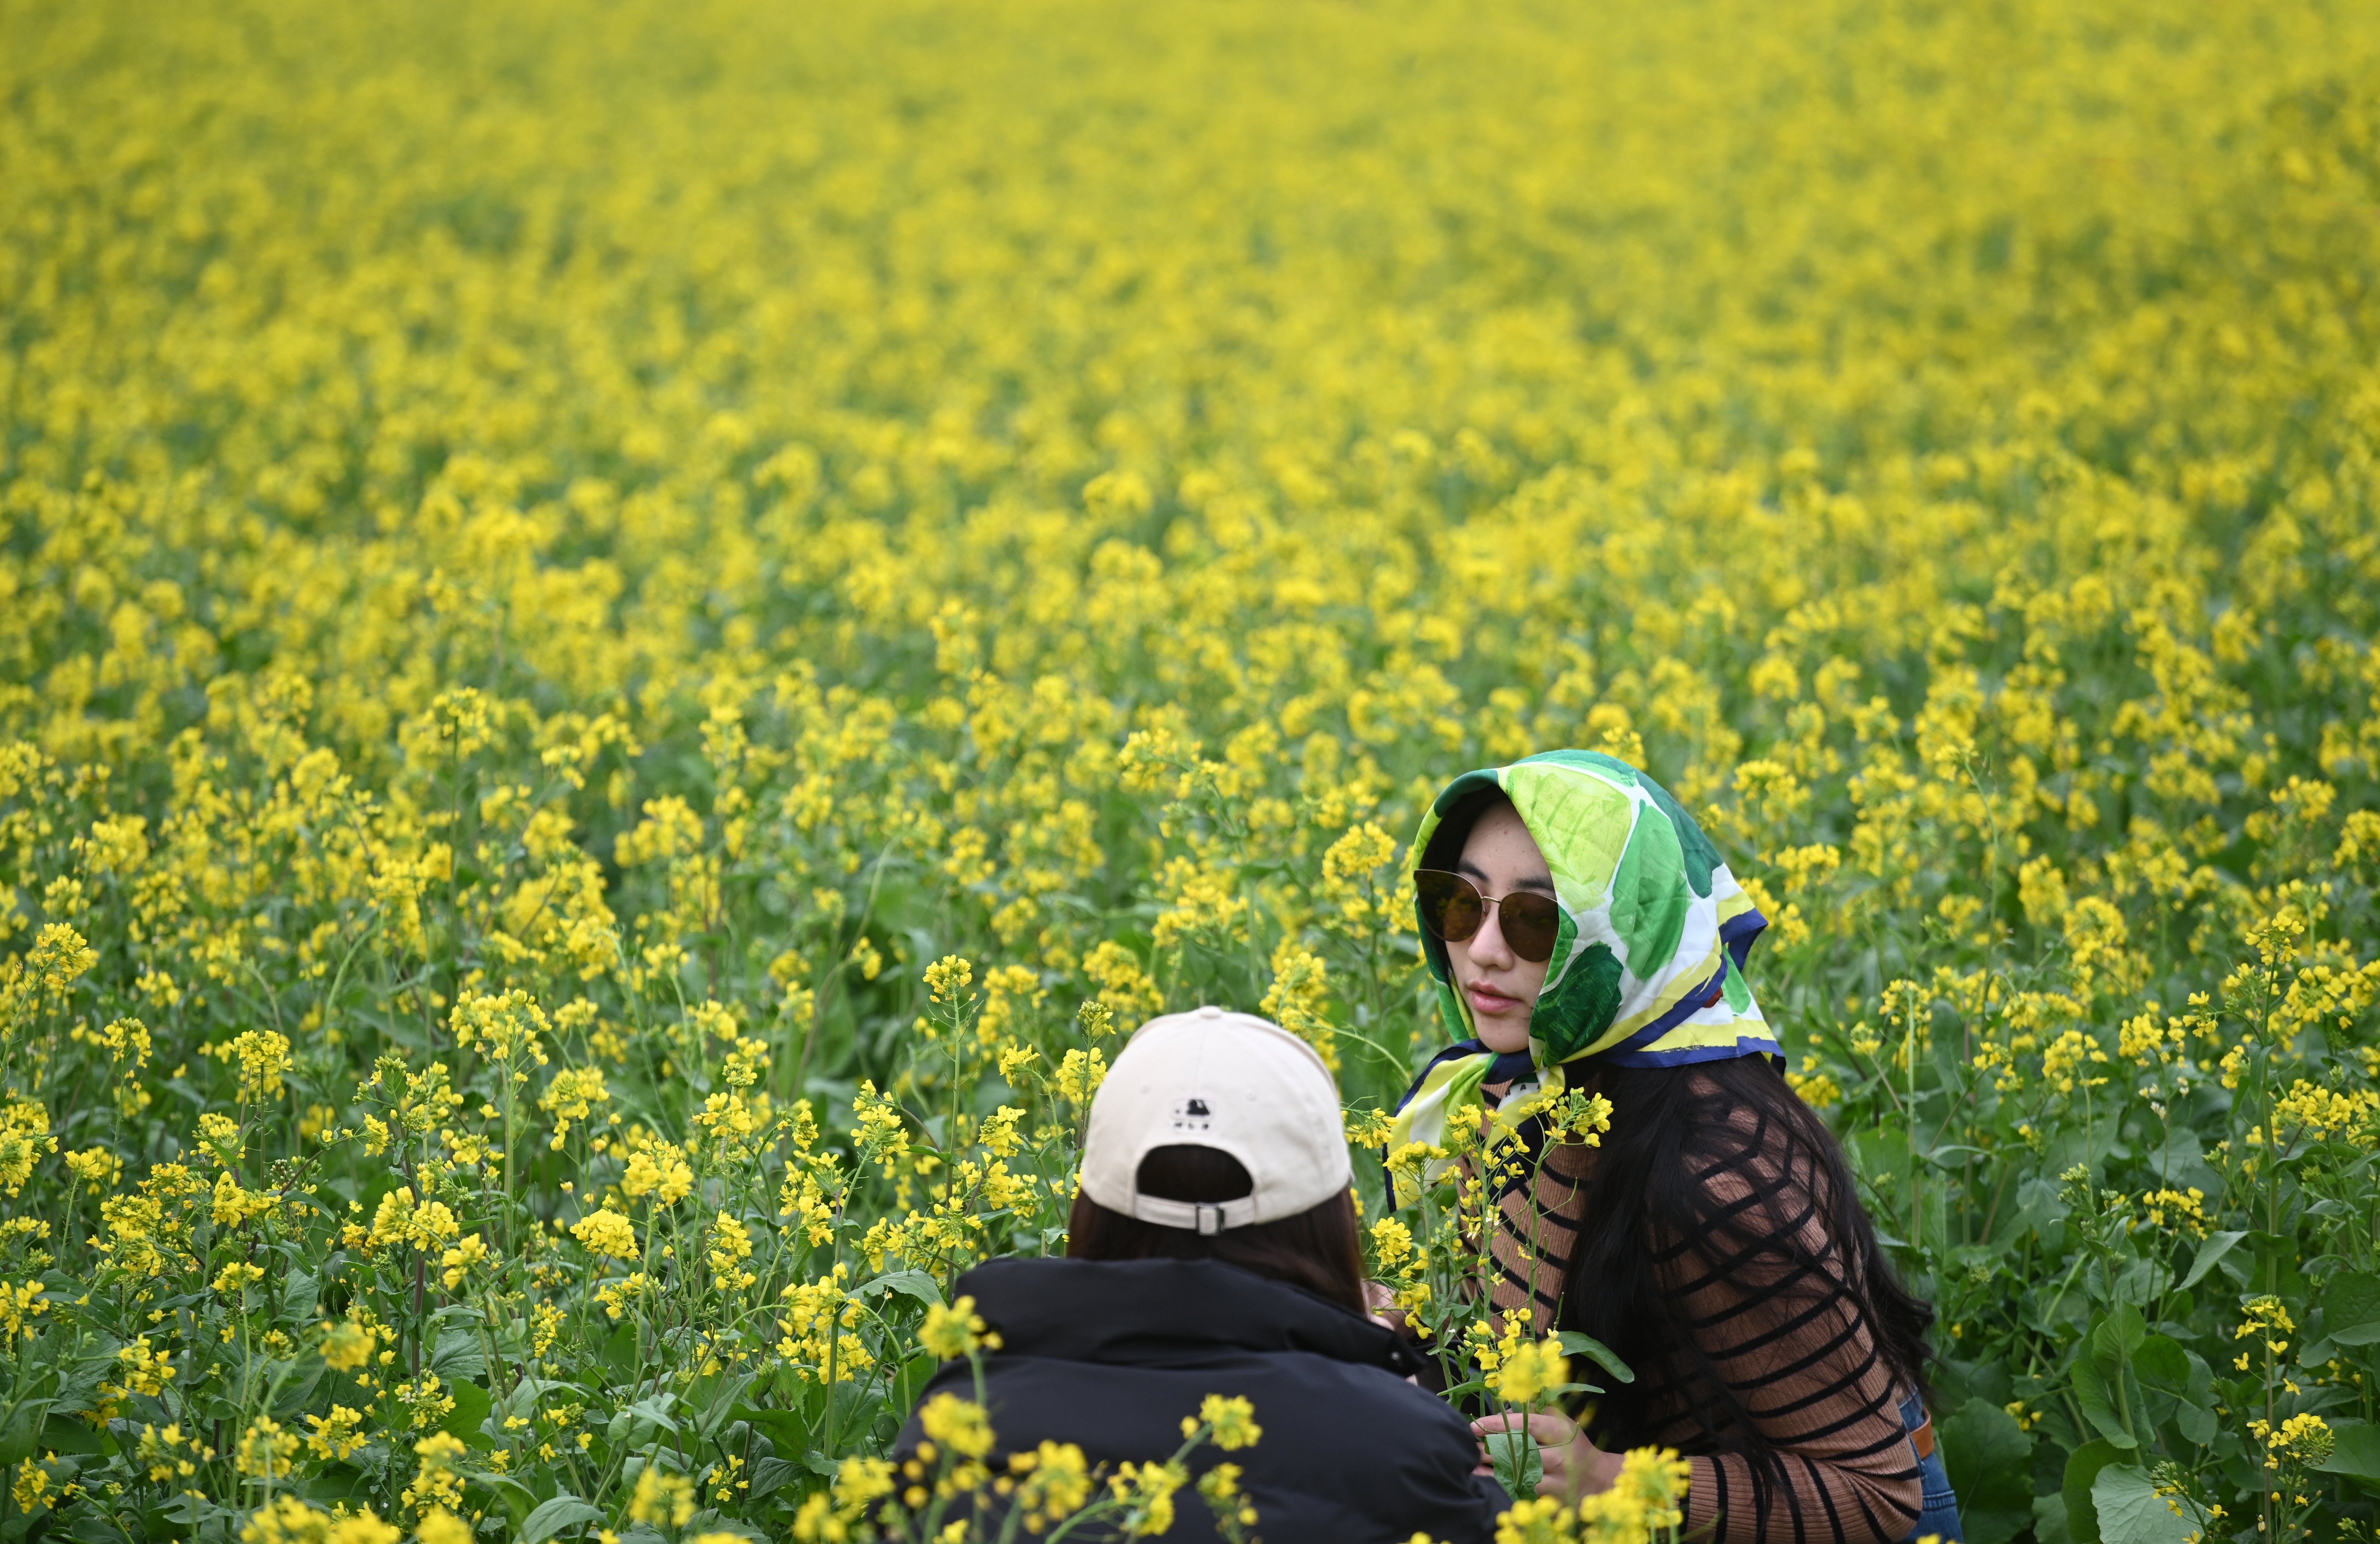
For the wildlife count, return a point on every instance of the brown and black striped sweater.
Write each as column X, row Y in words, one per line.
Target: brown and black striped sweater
column 1765, row 1291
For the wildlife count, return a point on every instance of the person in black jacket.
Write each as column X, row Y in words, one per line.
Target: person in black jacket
column 1213, row 1251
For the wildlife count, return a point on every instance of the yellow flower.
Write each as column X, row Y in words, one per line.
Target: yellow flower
column 286, row 1520
column 60, row 957
column 438, row 1526
column 262, row 1056
column 1646, row 1499
column 1053, row 1480
column 265, row 1451
column 338, row 1435
column 1526, row 1371
column 572, row 1097
column 435, row 1484
column 1080, row 1075
column 604, row 1232
column 1147, row 1491
column 947, row 978
column 1230, row 1421
column 347, row 1345
column 20, row 1305
column 2303, row 1439
column 953, row 1331
column 659, row 1170
column 456, row 1262
column 231, row 1278
column 957, row 1424
column 662, row 1499
column 730, row 1247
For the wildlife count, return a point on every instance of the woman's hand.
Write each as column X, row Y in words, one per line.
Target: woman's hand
column 1574, row 1467
column 1383, row 1305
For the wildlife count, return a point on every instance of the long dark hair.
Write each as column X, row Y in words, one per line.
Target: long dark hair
column 1718, row 1167
column 1317, row 1250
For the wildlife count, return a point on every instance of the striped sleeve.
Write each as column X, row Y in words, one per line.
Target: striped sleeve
column 1766, row 1289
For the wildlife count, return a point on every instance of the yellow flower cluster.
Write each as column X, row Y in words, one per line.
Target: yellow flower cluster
column 606, row 714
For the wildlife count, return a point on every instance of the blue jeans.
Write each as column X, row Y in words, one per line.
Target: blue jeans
column 1940, row 1515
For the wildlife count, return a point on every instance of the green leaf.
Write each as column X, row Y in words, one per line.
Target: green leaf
column 2091, row 1393
column 2162, row 1364
column 1576, row 1344
column 2216, row 1246
column 298, row 1295
column 771, row 1474
column 17, row 1442
column 2117, row 1337
column 460, row 1353
column 909, row 1284
column 2049, row 1520
column 1519, row 1465
column 789, row 1430
column 565, row 1511
column 2083, row 1467
column 656, row 1409
column 471, row 1407
column 1990, row 1460
column 2356, row 1456
column 2351, row 1309
column 2131, row 1512
column 64, row 1434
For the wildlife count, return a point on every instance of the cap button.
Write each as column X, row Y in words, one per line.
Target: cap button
column 1210, row 1011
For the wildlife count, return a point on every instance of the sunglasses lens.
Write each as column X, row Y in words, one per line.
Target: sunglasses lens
column 1531, row 924
column 1450, row 907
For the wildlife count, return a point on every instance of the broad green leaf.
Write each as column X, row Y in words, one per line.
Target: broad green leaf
column 2083, row 1467
column 2131, row 1512
column 2351, row 1309
column 2091, row 1393
column 298, row 1295
column 771, row 1474
column 789, row 1430
column 1990, row 1460
column 656, row 1409
column 2215, row 1247
column 17, row 1442
column 471, row 1406
column 460, row 1353
column 551, row 1517
column 2115, row 1337
column 2162, row 1363
column 909, row 1284
column 2356, row 1456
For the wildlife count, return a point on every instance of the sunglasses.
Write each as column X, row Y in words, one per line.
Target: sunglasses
column 1453, row 909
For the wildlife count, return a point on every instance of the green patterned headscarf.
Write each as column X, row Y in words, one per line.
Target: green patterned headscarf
column 1647, row 968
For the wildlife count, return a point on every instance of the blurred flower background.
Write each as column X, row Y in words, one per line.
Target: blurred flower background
column 631, row 637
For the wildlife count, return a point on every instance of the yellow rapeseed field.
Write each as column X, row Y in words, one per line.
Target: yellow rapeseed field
column 633, row 634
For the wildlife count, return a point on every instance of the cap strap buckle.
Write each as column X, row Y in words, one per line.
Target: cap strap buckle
column 1205, row 1218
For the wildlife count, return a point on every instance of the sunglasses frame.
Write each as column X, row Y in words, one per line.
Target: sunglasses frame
column 1521, row 941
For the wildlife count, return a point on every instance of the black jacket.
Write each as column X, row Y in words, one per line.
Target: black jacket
column 1110, row 1354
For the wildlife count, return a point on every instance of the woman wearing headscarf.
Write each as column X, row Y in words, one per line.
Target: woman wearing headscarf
column 1584, row 934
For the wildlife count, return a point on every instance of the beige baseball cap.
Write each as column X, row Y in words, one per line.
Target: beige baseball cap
column 1232, row 1081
